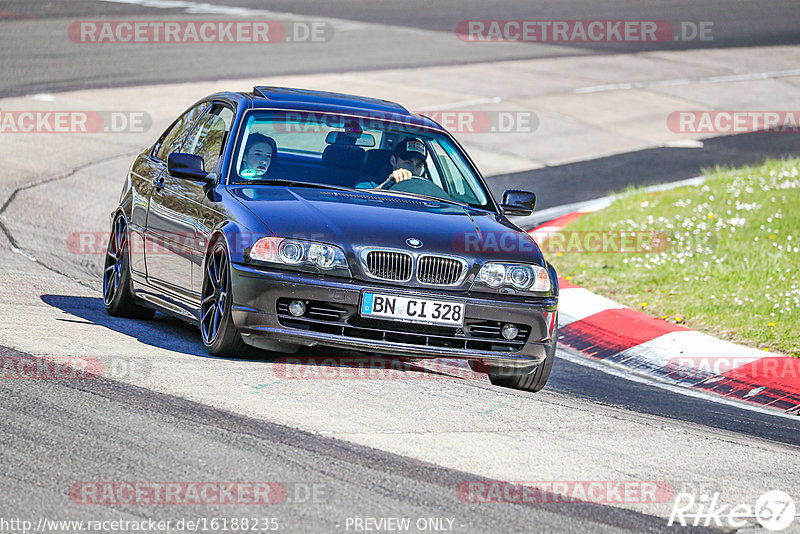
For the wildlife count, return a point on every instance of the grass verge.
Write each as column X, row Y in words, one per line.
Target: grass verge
column 729, row 266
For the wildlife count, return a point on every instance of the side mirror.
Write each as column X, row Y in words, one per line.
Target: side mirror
column 187, row 166
column 518, row 202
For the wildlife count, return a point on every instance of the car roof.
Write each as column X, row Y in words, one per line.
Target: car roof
column 327, row 102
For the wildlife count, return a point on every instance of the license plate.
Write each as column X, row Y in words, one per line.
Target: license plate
column 412, row 309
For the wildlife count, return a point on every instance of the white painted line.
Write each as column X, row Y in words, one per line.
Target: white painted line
column 542, row 217
column 686, row 81
column 697, row 180
column 204, row 8
column 589, row 206
column 630, row 85
column 754, row 76
column 595, row 206
column 684, row 143
column 463, row 103
column 196, row 8
column 43, row 97
column 18, row 251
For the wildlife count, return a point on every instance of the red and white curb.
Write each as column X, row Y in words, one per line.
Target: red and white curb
column 605, row 330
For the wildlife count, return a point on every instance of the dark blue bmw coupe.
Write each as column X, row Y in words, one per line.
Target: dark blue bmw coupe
column 285, row 217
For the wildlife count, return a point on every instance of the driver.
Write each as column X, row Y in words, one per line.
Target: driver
column 407, row 160
column 259, row 152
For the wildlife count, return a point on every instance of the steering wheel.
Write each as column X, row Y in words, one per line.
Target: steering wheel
column 420, row 185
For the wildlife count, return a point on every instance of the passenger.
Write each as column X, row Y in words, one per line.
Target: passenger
column 259, row 153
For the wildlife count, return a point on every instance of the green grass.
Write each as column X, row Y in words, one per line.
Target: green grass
column 730, row 268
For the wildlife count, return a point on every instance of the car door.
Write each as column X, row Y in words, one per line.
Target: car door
column 145, row 171
column 170, row 223
column 207, row 140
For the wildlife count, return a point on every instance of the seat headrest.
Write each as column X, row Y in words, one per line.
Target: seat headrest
column 375, row 162
column 343, row 156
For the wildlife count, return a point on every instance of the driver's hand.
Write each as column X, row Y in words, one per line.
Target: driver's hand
column 401, row 174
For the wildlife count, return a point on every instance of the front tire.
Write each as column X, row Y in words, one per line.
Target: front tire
column 510, row 378
column 220, row 336
column 118, row 298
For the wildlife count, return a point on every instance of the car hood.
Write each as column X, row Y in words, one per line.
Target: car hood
column 357, row 220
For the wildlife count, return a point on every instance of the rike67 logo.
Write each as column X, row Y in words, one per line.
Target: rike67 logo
column 775, row 510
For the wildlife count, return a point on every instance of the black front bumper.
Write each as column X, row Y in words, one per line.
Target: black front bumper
column 332, row 319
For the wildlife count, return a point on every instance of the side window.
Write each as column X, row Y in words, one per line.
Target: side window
column 209, row 134
column 175, row 135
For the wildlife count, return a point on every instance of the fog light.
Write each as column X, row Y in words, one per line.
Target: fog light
column 298, row 308
column 510, row 331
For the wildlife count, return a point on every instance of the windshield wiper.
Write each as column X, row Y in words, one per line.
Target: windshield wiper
column 293, row 183
column 422, row 196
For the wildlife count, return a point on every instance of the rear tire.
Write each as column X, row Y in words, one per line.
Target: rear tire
column 118, row 298
column 220, row 336
column 510, row 378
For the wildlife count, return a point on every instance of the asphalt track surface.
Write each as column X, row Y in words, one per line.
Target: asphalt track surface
column 58, row 432
column 38, row 56
column 326, row 480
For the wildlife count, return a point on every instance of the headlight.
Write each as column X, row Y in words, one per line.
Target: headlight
column 533, row 278
column 521, row 276
column 290, row 252
column 295, row 252
column 324, row 256
column 492, row 274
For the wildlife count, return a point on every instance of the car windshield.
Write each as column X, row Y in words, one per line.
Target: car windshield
column 354, row 152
